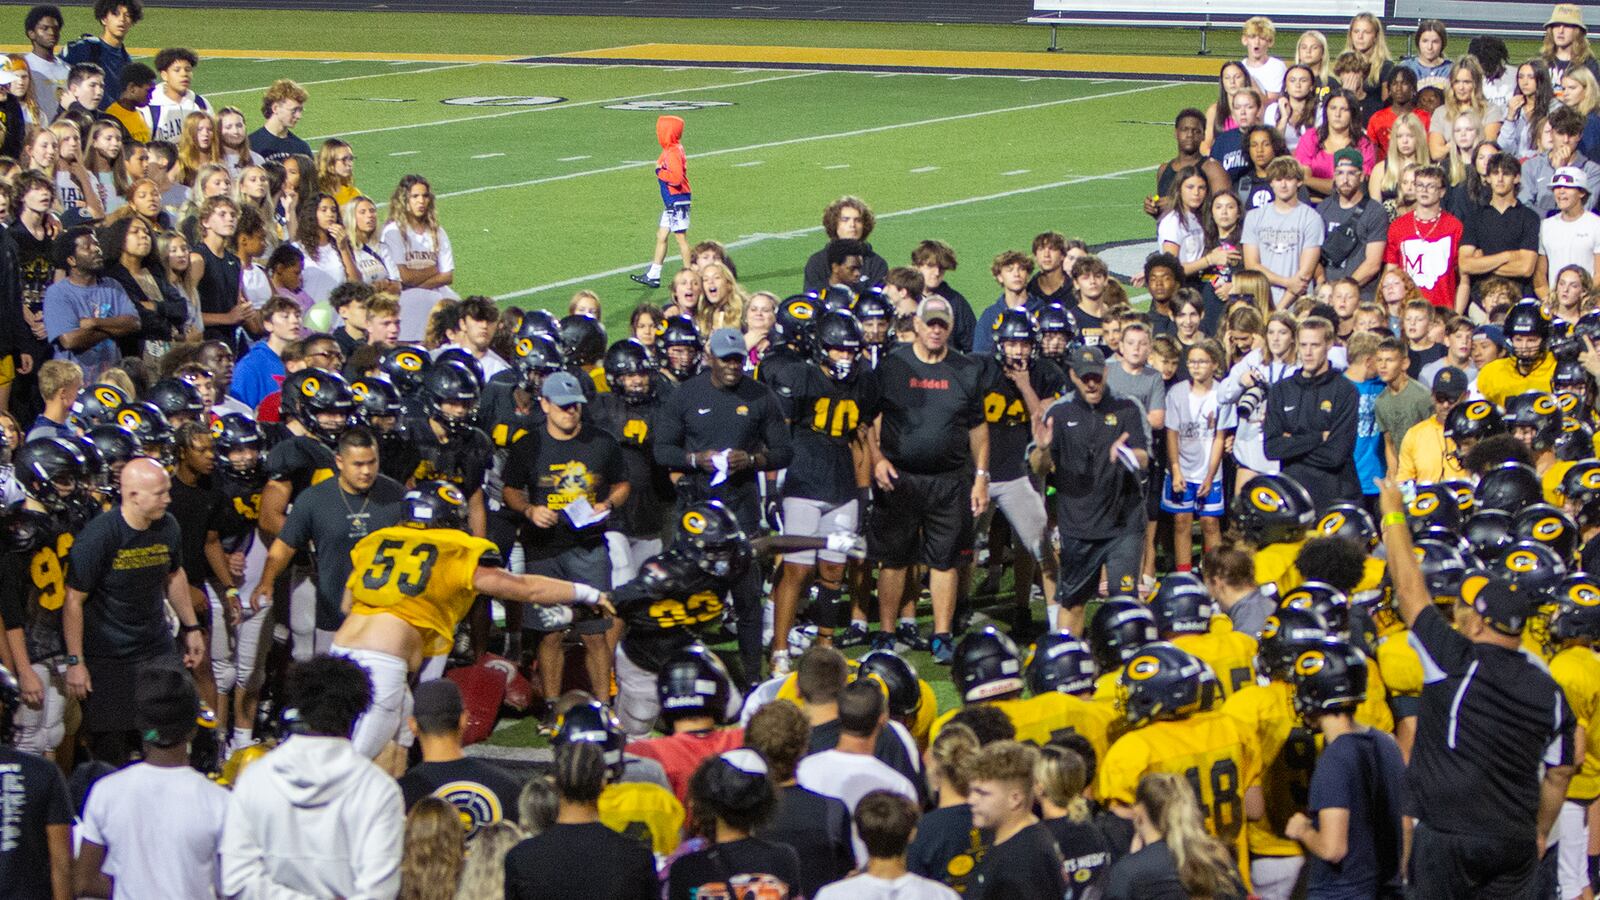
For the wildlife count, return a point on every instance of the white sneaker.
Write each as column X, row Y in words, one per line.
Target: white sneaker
column 780, row 663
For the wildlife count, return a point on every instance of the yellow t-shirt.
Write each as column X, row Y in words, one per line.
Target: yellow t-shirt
column 424, row 576
column 1500, row 378
column 1425, row 454
column 1275, row 566
column 130, row 119
column 1230, row 654
column 1374, row 712
column 1041, row 717
column 1577, row 670
column 645, row 811
column 1288, row 754
column 345, row 194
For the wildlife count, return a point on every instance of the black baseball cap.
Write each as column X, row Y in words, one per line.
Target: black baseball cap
column 1088, row 361
column 1502, row 605
column 1449, row 382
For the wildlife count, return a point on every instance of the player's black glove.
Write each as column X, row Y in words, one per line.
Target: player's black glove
column 772, row 511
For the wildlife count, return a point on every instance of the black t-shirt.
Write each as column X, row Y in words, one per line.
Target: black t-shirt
column 667, row 604
column 966, row 325
column 480, row 791
column 1091, row 328
column 1151, row 873
column 219, row 293
column 33, row 796
column 1010, row 423
column 300, row 460
column 1026, row 867
column 947, row 848
column 588, row 860
column 1096, row 497
column 928, row 409
column 463, row 460
column 1420, row 358
column 818, row 828
column 825, row 420
column 556, row 473
column 783, row 370
column 273, row 148
column 1228, row 150
column 198, row 509
column 124, row 573
column 1085, row 854
column 241, row 508
column 1118, row 831
column 330, row 523
column 751, row 867
column 1489, row 719
column 346, row 341
column 1492, row 231
column 699, row 416
column 1361, row 773
column 633, row 427
column 1038, row 296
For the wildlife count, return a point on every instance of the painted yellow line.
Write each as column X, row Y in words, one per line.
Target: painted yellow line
column 363, row 55
column 929, row 59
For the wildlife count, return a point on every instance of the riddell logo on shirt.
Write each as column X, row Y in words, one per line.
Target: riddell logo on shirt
column 931, row 384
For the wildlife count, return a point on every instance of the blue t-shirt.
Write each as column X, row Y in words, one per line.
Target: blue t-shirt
column 259, row 373
column 1228, row 150
column 65, row 304
column 1362, row 773
column 1369, row 440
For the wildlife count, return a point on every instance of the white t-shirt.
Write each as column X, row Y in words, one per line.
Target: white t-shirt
column 1194, row 419
column 1569, row 243
column 849, row 777
column 324, row 270
column 1291, row 133
column 1186, row 232
column 165, row 115
column 256, row 284
column 869, row 887
column 372, row 260
column 1269, row 75
column 49, row 80
column 162, row 830
column 415, row 250
column 236, row 163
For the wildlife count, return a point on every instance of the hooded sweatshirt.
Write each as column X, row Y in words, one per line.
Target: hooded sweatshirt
column 1299, row 409
column 313, row 818
column 672, row 167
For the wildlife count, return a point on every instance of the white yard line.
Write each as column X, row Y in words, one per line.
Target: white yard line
column 802, row 232
column 257, row 90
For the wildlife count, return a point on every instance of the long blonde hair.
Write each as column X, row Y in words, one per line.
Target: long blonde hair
column 327, row 181
column 1378, row 56
column 1204, row 862
column 190, row 157
column 434, row 851
column 1324, row 71
column 1479, row 103
column 1059, row 777
column 1395, row 163
column 1457, row 162
column 1580, row 49
column 1591, row 89
column 729, row 313
column 952, row 753
column 484, row 875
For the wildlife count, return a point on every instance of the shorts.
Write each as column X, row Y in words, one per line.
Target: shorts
column 676, row 217
column 637, row 705
column 1023, row 506
column 1210, row 506
column 1572, row 848
column 926, row 519
column 40, row 731
column 804, row 517
column 583, row 565
column 1082, row 558
column 385, row 719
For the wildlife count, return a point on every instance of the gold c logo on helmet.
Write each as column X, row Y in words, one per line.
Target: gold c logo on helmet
column 1269, row 628
column 1143, row 667
column 1584, row 594
column 309, row 386
column 1310, row 663
column 1478, row 409
column 694, row 522
column 1522, row 561
column 130, row 418
column 411, row 362
column 1568, row 403
column 1267, row 499
column 524, row 347
column 802, row 310
column 1424, row 504
column 1591, row 479
column 1331, row 523
column 107, row 396
column 359, row 390
column 1546, row 405
column 1548, row 528
column 216, row 428
column 451, row 494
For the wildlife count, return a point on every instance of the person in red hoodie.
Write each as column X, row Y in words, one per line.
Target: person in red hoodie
column 672, row 174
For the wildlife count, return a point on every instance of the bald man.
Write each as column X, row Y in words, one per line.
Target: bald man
column 123, row 566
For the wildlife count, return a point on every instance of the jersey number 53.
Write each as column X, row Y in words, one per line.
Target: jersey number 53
column 409, row 570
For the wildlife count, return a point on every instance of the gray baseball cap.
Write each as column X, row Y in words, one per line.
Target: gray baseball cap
column 936, row 309
column 563, row 389
column 726, row 342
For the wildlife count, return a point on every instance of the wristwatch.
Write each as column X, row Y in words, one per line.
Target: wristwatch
column 74, row 660
column 980, row 473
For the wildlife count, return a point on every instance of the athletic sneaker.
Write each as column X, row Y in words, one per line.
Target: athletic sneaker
column 854, row 636
column 646, row 280
column 882, row 640
column 908, row 638
column 944, row 650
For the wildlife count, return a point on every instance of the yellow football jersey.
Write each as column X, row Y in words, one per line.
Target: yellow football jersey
column 1210, row 749
column 1275, row 566
column 645, row 811
column 1041, row 717
column 1536, row 633
column 1230, row 654
column 420, row 575
column 1374, row 712
column 1500, row 378
column 1372, row 572
column 1288, row 754
column 1550, row 482
column 1577, row 670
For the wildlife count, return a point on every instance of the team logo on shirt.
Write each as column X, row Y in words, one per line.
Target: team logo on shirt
column 1143, row 667
column 1522, row 561
column 1111, row 419
column 1310, row 663
column 1325, row 406
column 310, row 386
column 694, row 522
column 475, row 804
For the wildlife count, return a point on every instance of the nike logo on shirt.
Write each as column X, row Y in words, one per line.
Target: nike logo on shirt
column 704, row 411
column 1288, row 408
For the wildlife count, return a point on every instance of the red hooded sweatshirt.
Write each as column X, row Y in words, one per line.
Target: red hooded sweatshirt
column 672, row 167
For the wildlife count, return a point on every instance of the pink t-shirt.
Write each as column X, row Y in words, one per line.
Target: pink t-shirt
column 1319, row 164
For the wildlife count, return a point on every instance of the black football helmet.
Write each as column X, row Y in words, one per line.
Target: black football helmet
column 1351, row 521
column 1533, row 567
column 1160, row 682
column 1509, row 486
column 629, row 357
column 899, row 681
column 96, row 405
column 1328, row 602
column 118, row 446
column 376, row 398
column 838, row 330
column 1285, row 633
column 1182, row 605
column 1433, row 506
column 694, row 682
column 987, row 666
column 1472, row 421
column 1119, row 628
column 537, row 358
column 1489, row 533
column 1328, row 677
column 1549, row 526
column 51, row 471
column 1534, row 411
column 539, row 321
column 1570, row 380
column 150, row 427
column 795, row 321
column 583, row 340
column 405, row 367
column 1015, row 326
column 1058, row 331
column 710, row 536
column 1577, row 612
column 1273, row 509
column 1466, row 503
column 319, row 393
column 1528, row 318
column 236, row 431
column 680, row 331
column 177, row 399
column 1060, row 662
column 461, row 357
column 590, row 721
column 1581, row 488
column 1576, row 440
column 1443, row 568
column 450, row 382
column 873, row 307
column 434, row 504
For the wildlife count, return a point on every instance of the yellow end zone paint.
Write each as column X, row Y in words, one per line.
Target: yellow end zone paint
column 967, row 60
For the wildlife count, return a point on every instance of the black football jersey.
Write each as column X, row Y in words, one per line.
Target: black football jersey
column 827, row 415
column 667, row 605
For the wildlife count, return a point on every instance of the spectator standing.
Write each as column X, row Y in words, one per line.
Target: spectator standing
column 886, row 822
column 1168, row 821
column 932, row 259
column 1284, row 239
column 1501, row 238
column 1023, row 862
column 733, row 795
column 1569, row 237
column 36, row 861
column 1265, row 70
column 1425, row 457
column 850, row 770
column 49, row 72
column 315, row 817
column 1189, row 132
column 1566, row 130
column 173, row 100
column 1091, row 279
column 1402, row 90
column 1012, row 269
column 946, row 847
column 847, row 218
column 1356, row 227
column 1245, row 389
column 1311, row 420
column 261, row 371
column 1054, row 255
column 1362, row 371
column 1403, row 403
column 816, row 826
column 85, row 314
column 1340, row 130
column 478, row 317
column 1566, row 42
column 108, row 51
column 1426, row 244
column 281, row 107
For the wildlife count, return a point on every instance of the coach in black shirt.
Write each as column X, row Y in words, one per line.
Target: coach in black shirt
column 930, row 453
column 1490, row 721
column 124, row 565
column 1095, row 444
column 719, row 432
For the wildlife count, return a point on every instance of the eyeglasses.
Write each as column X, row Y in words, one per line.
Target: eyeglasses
column 327, row 354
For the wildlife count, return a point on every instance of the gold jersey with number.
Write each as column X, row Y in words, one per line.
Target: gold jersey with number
column 1230, row 654
column 1209, row 749
column 643, row 810
column 1042, row 717
column 423, row 576
column 1577, row 670
column 1288, row 754
column 1398, row 662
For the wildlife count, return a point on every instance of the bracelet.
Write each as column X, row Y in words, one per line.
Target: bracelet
column 1394, row 518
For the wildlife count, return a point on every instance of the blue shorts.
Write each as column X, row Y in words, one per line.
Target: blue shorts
column 1188, row 500
column 676, row 217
